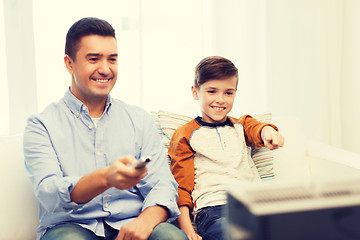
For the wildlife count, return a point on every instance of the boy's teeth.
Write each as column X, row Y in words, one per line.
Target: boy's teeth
column 218, row 108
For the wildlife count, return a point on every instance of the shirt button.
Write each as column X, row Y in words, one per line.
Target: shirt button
column 77, row 114
column 90, row 126
column 98, row 153
column 106, row 205
column 83, row 108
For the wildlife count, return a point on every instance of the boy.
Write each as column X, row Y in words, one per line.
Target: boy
column 211, row 151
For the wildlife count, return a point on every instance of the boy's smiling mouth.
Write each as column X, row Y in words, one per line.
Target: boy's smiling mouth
column 218, row 109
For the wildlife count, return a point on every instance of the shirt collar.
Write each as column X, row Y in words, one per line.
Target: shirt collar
column 214, row 125
column 76, row 106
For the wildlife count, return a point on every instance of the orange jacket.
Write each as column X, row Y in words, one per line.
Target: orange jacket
column 182, row 155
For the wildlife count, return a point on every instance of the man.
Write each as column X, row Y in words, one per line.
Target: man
column 80, row 150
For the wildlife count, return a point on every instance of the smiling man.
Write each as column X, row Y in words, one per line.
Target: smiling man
column 93, row 69
column 80, row 151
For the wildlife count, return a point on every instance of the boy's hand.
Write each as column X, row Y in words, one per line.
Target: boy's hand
column 194, row 236
column 271, row 138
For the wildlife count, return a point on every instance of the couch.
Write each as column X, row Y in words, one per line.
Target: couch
column 299, row 160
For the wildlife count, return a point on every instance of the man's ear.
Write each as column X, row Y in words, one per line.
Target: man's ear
column 69, row 64
column 194, row 92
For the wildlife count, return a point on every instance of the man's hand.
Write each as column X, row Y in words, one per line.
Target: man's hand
column 136, row 229
column 142, row 227
column 122, row 176
column 118, row 175
column 271, row 138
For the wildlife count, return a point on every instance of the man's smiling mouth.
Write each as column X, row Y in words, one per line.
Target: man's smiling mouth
column 101, row 80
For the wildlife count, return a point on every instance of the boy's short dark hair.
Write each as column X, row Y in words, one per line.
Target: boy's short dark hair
column 85, row 27
column 214, row 67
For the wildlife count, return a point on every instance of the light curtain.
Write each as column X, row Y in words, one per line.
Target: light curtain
column 295, row 57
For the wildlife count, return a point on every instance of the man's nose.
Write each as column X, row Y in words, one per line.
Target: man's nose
column 104, row 68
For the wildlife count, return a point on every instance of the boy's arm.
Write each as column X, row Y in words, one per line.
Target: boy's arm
column 182, row 165
column 253, row 130
column 186, row 224
column 271, row 138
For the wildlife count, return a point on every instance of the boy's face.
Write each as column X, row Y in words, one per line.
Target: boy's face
column 216, row 98
column 94, row 72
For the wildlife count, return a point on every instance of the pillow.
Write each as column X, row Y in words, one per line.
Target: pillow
column 168, row 122
column 263, row 157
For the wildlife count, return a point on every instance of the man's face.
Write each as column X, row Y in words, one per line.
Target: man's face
column 216, row 98
column 94, row 72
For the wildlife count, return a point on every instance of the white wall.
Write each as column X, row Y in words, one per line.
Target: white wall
column 304, row 64
column 297, row 58
column 239, row 33
column 4, row 97
column 350, row 77
column 21, row 74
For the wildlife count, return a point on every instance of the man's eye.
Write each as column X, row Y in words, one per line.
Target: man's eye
column 113, row 60
column 93, row 59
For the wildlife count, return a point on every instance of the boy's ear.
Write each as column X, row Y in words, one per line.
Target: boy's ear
column 69, row 64
column 194, row 93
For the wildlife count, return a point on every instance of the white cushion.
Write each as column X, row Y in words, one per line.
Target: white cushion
column 18, row 205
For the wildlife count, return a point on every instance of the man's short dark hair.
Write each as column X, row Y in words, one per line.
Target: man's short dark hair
column 85, row 27
column 212, row 68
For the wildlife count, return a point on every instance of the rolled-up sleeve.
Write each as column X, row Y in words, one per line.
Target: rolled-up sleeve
column 159, row 187
column 43, row 168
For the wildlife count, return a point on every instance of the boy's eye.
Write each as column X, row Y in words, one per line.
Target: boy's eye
column 211, row 91
column 229, row 93
column 93, row 59
column 113, row 60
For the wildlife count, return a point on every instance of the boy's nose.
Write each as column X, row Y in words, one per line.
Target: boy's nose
column 220, row 98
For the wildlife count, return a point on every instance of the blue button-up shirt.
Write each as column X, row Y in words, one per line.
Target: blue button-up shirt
column 61, row 145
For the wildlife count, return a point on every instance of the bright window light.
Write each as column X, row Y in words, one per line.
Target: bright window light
column 50, row 27
column 4, row 97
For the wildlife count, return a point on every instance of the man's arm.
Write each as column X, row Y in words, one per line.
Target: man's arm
column 143, row 225
column 118, row 175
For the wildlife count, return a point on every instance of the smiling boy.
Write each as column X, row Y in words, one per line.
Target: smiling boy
column 212, row 151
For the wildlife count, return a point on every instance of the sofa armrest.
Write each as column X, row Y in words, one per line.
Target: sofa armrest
column 323, row 151
column 330, row 162
column 18, row 205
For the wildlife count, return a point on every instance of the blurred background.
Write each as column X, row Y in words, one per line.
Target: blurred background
column 295, row 58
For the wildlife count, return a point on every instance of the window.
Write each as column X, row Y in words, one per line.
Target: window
column 4, row 97
column 52, row 76
column 158, row 46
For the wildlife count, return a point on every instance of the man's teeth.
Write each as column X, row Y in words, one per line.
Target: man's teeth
column 102, row 80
